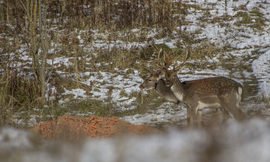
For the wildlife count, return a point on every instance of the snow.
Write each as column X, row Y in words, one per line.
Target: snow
column 61, row 61
column 78, row 93
column 165, row 113
column 118, row 82
column 261, row 69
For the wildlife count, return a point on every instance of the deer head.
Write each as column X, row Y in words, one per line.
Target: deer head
column 150, row 82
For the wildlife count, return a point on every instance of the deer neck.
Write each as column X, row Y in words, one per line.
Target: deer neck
column 165, row 91
column 161, row 88
column 178, row 89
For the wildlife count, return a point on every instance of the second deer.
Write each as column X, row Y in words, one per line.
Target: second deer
column 155, row 81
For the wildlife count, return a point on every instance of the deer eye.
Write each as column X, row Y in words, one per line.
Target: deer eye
column 149, row 80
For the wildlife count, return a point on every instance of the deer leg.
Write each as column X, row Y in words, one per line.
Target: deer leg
column 235, row 111
column 231, row 105
column 192, row 117
column 199, row 118
column 225, row 114
column 188, row 115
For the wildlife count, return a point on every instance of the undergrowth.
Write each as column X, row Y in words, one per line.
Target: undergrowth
column 68, row 33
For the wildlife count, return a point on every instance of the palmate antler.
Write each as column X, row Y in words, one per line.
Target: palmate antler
column 168, row 61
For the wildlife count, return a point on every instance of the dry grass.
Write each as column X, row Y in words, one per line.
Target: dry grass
column 21, row 81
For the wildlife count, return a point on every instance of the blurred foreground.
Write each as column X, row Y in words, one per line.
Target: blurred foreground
column 232, row 141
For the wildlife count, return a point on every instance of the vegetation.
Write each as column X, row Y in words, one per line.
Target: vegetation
column 46, row 30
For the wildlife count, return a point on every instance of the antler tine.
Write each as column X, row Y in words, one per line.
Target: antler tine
column 150, row 71
column 158, row 61
column 159, row 65
column 167, row 61
column 158, row 56
column 184, row 62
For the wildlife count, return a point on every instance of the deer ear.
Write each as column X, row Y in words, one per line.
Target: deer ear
column 167, row 60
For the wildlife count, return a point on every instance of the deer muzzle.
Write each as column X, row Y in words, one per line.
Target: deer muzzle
column 168, row 83
column 142, row 87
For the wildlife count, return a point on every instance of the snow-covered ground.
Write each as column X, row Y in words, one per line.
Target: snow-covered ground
column 261, row 69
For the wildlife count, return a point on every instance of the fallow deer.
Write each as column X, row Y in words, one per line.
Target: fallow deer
column 212, row 92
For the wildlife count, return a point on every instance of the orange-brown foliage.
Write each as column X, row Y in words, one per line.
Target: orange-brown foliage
column 68, row 127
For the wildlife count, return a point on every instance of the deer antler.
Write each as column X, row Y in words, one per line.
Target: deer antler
column 159, row 65
column 167, row 61
column 158, row 62
column 178, row 68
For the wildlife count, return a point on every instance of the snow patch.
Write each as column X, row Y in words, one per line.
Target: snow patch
column 261, row 69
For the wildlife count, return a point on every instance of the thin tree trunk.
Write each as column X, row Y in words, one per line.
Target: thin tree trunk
column 44, row 47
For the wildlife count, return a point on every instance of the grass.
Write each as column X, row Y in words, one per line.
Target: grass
column 96, row 107
column 74, row 27
column 254, row 19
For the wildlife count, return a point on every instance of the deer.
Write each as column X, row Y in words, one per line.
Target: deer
column 156, row 81
column 215, row 92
